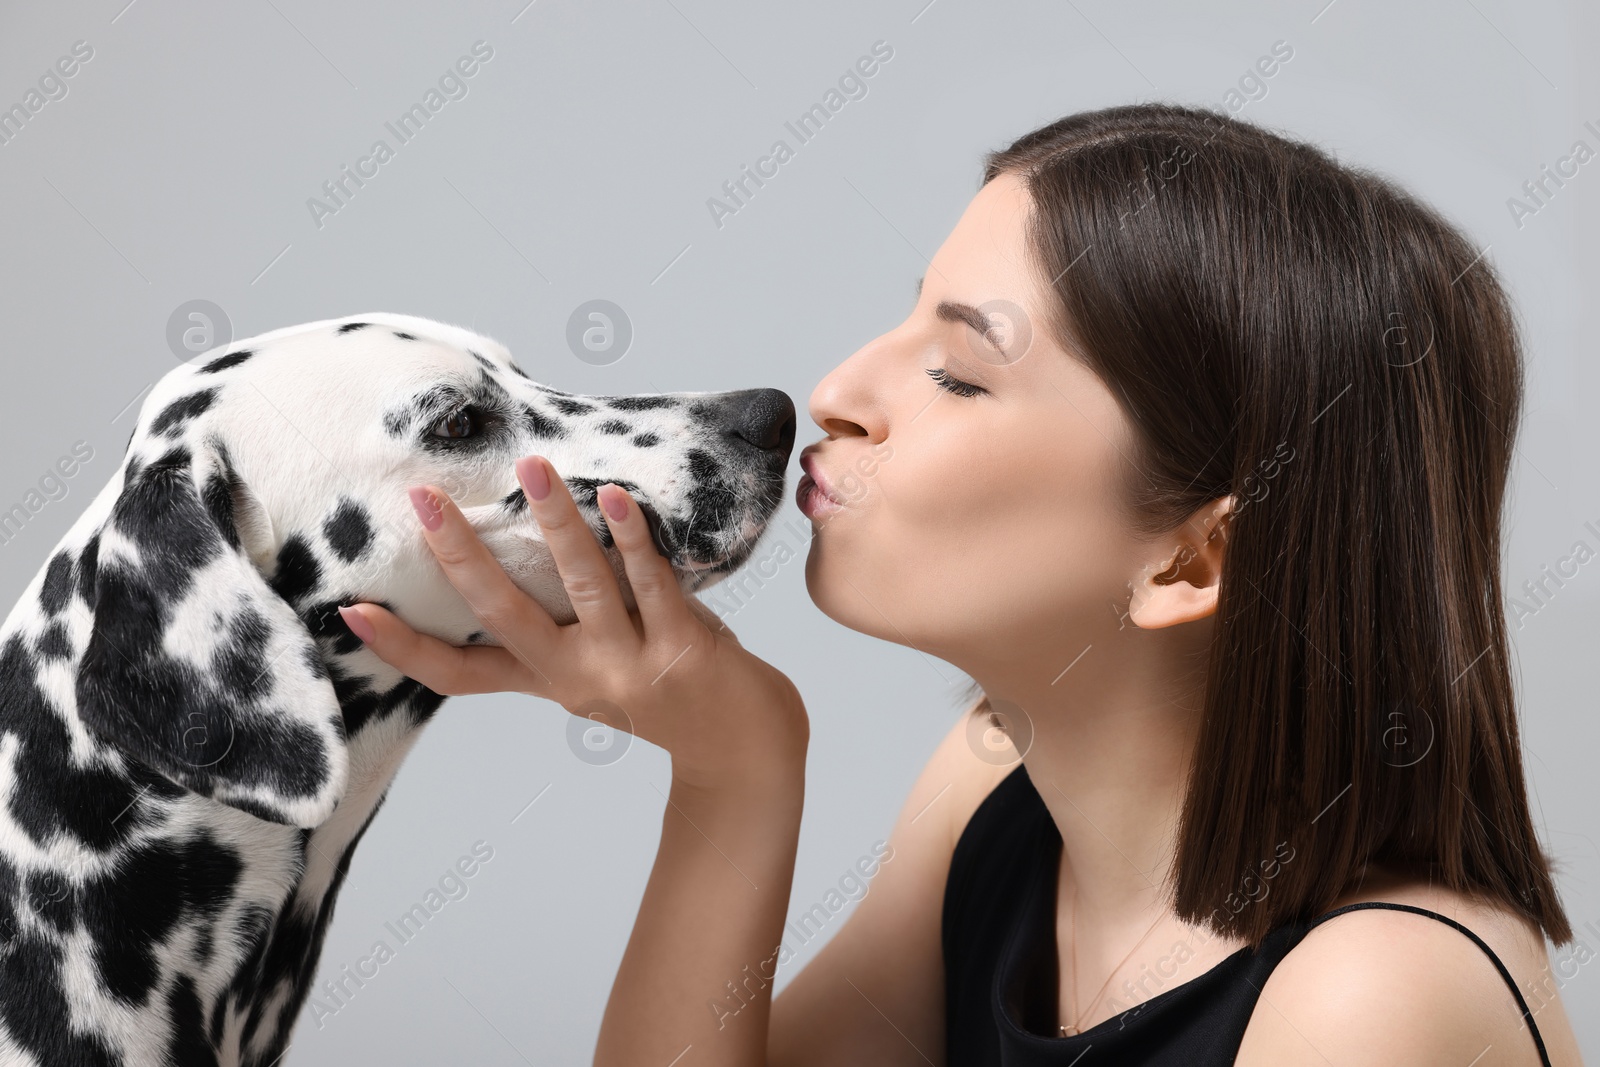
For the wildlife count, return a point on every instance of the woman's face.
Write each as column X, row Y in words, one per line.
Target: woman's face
column 986, row 524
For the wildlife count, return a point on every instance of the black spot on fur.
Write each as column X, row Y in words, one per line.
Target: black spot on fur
column 131, row 909
column 54, row 642
column 395, row 422
column 646, row 440
column 188, row 1047
column 57, row 587
column 358, row 701
column 315, row 663
column 477, row 637
column 205, row 943
column 52, row 898
column 323, row 620
column 515, row 501
column 352, row 327
column 640, row 403
column 712, row 503
column 572, row 407
column 297, row 572
column 181, row 410
column 519, row 372
column 88, row 569
column 348, row 530
column 362, row 704
column 222, row 363
column 164, row 518
column 615, row 426
column 10, row 928
column 419, row 701
column 90, row 801
column 488, row 364
column 541, row 425
column 703, row 467
column 240, row 663
column 405, row 336
column 491, row 394
column 251, row 931
column 34, row 1009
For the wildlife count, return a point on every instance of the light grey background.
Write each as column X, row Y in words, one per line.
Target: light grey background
column 578, row 166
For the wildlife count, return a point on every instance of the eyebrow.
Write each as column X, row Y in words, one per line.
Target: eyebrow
column 955, row 311
column 952, row 311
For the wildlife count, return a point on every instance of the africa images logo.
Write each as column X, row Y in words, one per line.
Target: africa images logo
column 340, row 190
column 852, row 85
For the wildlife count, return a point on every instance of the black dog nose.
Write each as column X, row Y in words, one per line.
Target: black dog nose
column 762, row 417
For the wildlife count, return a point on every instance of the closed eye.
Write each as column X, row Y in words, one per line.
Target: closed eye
column 954, row 385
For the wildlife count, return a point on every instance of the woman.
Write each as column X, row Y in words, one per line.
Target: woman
column 1204, row 495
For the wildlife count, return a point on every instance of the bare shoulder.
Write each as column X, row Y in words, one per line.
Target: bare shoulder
column 874, row 993
column 1379, row 985
column 973, row 758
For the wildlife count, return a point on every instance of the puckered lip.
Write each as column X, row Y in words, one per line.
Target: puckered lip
column 809, row 464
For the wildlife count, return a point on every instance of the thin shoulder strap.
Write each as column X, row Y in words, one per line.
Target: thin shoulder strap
column 1544, row 1057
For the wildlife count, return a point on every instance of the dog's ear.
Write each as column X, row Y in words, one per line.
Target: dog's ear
column 194, row 665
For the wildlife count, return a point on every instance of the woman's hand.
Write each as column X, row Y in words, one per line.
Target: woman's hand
column 735, row 726
column 681, row 678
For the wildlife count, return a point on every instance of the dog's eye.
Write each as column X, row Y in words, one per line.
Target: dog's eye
column 464, row 423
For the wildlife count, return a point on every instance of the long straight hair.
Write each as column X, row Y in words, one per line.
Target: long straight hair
column 1309, row 337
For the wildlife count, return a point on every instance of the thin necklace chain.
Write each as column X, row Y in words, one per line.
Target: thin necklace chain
column 1068, row 1031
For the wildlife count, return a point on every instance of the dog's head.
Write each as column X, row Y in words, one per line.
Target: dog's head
column 266, row 484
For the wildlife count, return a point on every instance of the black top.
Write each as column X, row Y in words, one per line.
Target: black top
column 999, row 943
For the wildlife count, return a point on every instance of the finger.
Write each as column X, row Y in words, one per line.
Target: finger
column 585, row 572
column 656, row 592
column 443, row 668
column 517, row 621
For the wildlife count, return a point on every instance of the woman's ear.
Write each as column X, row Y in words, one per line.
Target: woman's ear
column 1182, row 585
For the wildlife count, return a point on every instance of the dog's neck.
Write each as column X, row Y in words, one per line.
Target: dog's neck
column 370, row 690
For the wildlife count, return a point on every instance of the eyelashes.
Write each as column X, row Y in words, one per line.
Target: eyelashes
column 954, row 385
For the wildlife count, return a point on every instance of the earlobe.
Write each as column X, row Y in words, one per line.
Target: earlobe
column 1183, row 586
column 1170, row 604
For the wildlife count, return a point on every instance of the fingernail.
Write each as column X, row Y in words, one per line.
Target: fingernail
column 615, row 503
column 358, row 624
column 535, row 482
column 427, row 508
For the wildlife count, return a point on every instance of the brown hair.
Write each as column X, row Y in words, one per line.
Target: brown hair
column 1307, row 336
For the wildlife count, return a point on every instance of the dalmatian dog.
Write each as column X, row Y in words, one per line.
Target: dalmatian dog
column 191, row 741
